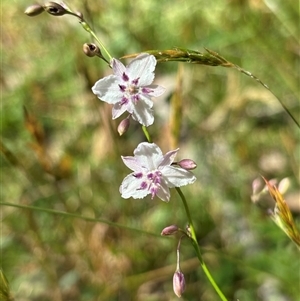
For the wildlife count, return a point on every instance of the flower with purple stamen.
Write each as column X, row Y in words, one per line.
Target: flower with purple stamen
column 153, row 173
column 130, row 88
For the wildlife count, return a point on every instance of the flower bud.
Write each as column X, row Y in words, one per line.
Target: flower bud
column 55, row 9
column 178, row 283
column 91, row 50
column 257, row 186
column 34, row 10
column 169, row 230
column 123, row 126
column 284, row 185
column 187, row 164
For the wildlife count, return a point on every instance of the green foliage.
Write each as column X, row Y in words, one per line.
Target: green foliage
column 4, row 288
column 65, row 154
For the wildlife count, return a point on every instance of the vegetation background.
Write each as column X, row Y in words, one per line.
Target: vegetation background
column 60, row 151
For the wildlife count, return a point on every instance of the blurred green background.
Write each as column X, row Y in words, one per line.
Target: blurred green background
column 61, row 151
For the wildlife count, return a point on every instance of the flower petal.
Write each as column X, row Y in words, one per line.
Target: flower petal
column 143, row 114
column 176, row 177
column 132, row 163
column 155, row 90
column 146, row 100
column 118, row 110
column 118, row 67
column 131, row 187
column 168, row 158
column 142, row 67
column 149, row 155
column 163, row 192
column 107, row 89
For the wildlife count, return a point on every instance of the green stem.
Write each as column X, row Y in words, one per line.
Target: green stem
column 196, row 246
column 146, row 134
column 87, row 27
column 74, row 215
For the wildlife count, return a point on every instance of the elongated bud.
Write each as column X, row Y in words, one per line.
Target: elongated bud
column 284, row 185
column 178, row 283
column 169, row 230
column 34, row 10
column 124, row 126
column 187, row 164
column 257, row 186
column 55, row 9
column 91, row 50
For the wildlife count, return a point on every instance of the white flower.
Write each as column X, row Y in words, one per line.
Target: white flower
column 153, row 173
column 129, row 88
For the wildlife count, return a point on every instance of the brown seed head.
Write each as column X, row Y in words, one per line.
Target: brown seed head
column 34, row 10
column 55, row 9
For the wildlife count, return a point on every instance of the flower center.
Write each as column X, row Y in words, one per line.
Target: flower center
column 152, row 182
column 131, row 89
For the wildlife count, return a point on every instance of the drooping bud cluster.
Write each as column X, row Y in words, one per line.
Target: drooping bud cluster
column 52, row 8
column 178, row 277
column 60, row 9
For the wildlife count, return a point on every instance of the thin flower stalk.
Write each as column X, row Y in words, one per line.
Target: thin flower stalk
column 197, row 248
column 146, row 133
column 88, row 28
column 77, row 216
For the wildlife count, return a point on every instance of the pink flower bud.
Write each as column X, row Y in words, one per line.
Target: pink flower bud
column 178, row 283
column 284, row 185
column 169, row 230
column 123, row 126
column 257, row 186
column 187, row 164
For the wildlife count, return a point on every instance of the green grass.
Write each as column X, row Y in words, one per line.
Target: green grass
column 233, row 127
